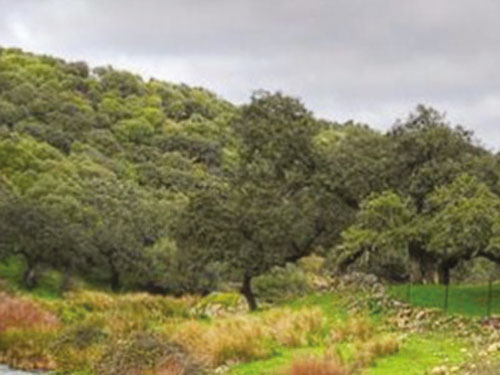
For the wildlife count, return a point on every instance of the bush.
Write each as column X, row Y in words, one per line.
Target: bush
column 81, row 335
column 79, row 346
column 146, row 353
column 217, row 304
column 312, row 264
column 19, row 313
column 281, row 283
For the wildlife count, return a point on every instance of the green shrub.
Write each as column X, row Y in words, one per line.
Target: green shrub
column 281, row 283
column 312, row 264
column 216, row 304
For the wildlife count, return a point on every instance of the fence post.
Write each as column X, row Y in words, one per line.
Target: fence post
column 446, row 293
column 490, row 297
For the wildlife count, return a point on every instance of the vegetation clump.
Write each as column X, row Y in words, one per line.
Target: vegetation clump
column 146, row 353
column 22, row 313
column 315, row 366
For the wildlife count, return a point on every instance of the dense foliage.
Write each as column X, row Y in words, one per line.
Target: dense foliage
column 171, row 189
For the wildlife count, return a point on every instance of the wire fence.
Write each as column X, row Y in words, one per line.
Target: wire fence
column 466, row 299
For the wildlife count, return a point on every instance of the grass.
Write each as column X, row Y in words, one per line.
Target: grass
column 469, row 300
column 282, row 358
column 419, row 354
column 252, row 337
column 332, row 305
column 278, row 340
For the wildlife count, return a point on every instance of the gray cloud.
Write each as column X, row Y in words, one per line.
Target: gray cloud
column 367, row 60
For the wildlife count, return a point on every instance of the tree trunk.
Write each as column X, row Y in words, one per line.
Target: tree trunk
column 67, row 281
column 30, row 277
column 416, row 275
column 346, row 262
column 429, row 271
column 444, row 274
column 115, row 278
column 247, row 292
column 444, row 270
column 416, row 263
column 422, row 265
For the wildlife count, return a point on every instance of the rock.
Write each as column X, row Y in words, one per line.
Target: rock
column 421, row 315
column 440, row 370
column 222, row 370
column 494, row 347
column 5, row 370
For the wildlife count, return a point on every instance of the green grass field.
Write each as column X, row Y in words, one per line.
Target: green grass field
column 420, row 351
column 470, row 300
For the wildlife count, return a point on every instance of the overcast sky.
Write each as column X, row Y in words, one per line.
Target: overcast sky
column 367, row 60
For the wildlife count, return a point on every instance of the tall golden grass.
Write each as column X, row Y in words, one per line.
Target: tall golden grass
column 246, row 338
column 368, row 351
column 355, row 328
column 296, row 328
column 317, row 366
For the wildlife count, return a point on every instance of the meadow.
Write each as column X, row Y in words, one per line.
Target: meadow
column 341, row 331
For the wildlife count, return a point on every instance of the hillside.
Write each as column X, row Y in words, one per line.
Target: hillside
column 168, row 188
column 146, row 217
column 74, row 138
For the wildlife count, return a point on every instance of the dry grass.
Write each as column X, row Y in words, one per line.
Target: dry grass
column 134, row 302
column 146, row 353
column 246, row 338
column 317, row 366
column 296, row 328
column 356, row 328
column 368, row 351
column 19, row 313
column 27, row 349
column 237, row 339
column 170, row 368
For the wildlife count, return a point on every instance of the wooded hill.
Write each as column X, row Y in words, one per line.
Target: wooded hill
column 171, row 189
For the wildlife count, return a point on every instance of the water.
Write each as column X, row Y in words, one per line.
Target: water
column 6, row 370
